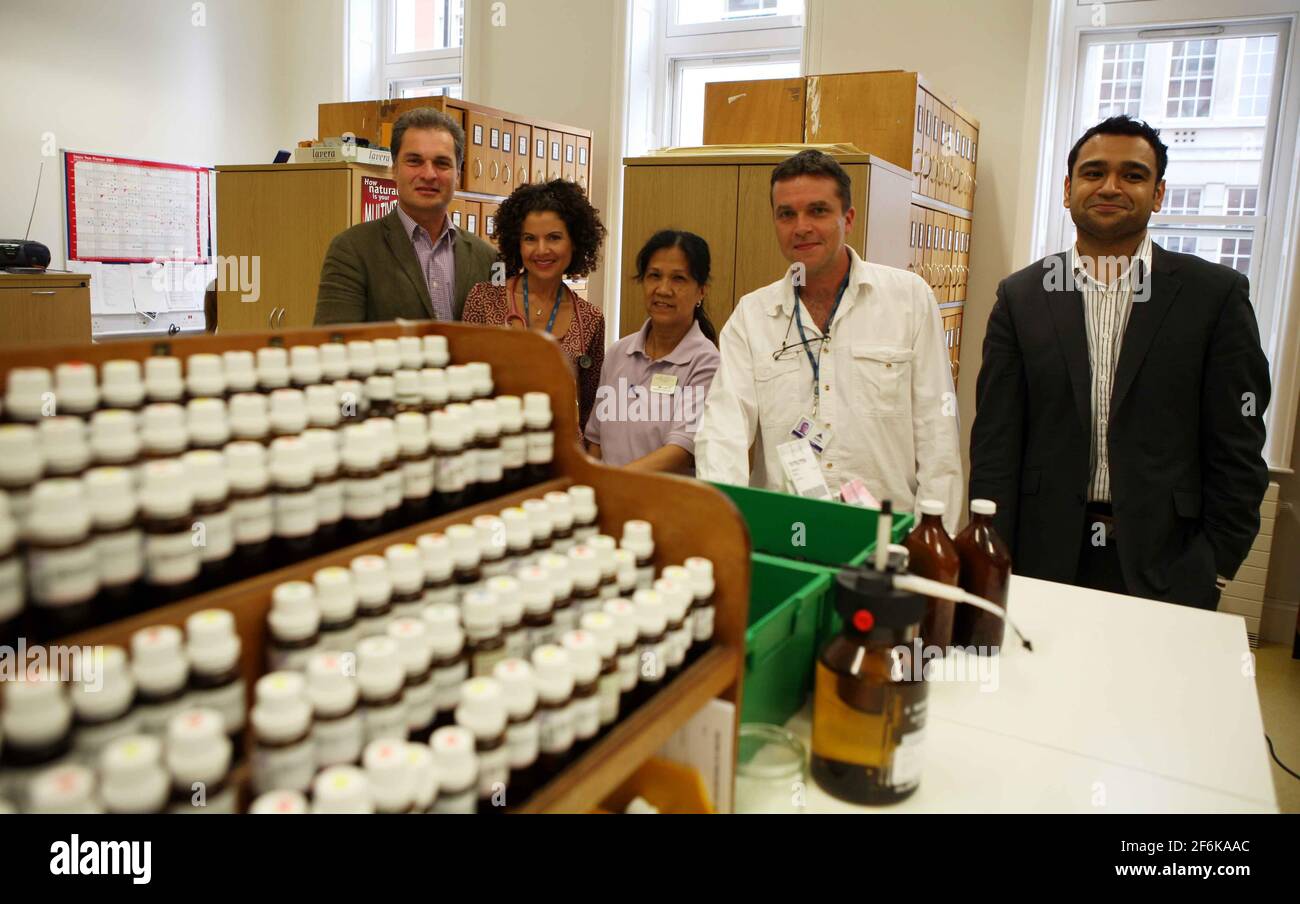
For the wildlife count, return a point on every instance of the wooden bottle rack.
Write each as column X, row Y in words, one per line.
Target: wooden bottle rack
column 689, row 518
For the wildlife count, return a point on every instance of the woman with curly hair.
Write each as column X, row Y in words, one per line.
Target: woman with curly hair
column 548, row 231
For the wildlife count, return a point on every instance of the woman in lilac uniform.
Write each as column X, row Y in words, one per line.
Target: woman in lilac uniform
column 653, row 382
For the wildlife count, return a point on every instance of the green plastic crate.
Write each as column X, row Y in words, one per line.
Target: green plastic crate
column 786, row 602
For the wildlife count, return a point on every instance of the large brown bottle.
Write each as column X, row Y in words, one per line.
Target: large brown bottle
column 869, row 701
column 985, row 572
column 932, row 554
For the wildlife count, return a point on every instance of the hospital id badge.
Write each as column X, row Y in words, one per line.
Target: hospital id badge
column 802, row 471
column 663, row 384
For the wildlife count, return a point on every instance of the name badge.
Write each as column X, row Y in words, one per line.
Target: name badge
column 802, row 470
column 663, row 384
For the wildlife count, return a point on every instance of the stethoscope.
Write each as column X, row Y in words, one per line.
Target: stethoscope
column 514, row 315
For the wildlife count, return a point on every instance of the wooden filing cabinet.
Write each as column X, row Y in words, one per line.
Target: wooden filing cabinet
column 570, row 158
column 523, row 154
column 488, row 223
column 555, row 155
column 761, row 111
column 44, row 307
column 725, row 199
column 584, row 162
column 541, row 153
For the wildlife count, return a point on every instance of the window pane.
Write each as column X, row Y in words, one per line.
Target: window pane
column 1191, row 81
column 1120, row 90
column 423, row 25
column 691, row 12
column 690, row 127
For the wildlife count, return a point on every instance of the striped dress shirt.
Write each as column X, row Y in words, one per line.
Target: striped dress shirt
column 1105, row 315
column 437, row 262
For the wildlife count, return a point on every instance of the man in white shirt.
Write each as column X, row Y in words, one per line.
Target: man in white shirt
column 852, row 348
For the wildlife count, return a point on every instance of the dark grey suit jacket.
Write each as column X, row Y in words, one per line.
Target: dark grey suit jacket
column 371, row 273
column 1185, row 436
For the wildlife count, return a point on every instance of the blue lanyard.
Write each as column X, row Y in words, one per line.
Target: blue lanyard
column 816, row 362
column 559, row 296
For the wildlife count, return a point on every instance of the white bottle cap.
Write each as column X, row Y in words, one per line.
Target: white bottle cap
column 424, row 775
column 539, row 518
column 983, row 506
column 518, row 689
column 388, row 355
column 212, row 642
column 21, row 459
column 462, row 417
column 351, row 396
column 379, row 668
column 162, row 378
column 585, row 566
column 651, row 613
column 486, row 422
column 454, row 756
column 435, row 554
column 435, row 351
column 443, row 433
column 288, row 411
column 133, row 779
column 584, row 502
column 433, row 385
column 304, row 364
column 75, row 387
column 63, row 443
column 272, row 367
column 510, row 412
column 109, row 691
column 601, row 626
column 510, row 602
column 197, row 748
column 445, row 634
column 294, row 614
column 412, row 432
column 282, row 803
column 66, row 789
column 604, row 546
column 679, row 573
column 248, row 414
column 360, row 452
column 331, row 690
column 383, row 433
column 36, row 710
column 677, row 597
column 204, row 375
column 119, row 383
column 480, row 377
column 322, row 450
column 411, row 352
column 162, row 428
column 245, row 465
column 165, row 489
column 406, row 385
column 241, row 371
column 552, row 672
column 341, row 790
column 584, row 656
column 932, row 507
column 25, row 390
column 560, row 573
column 624, row 615
column 158, row 660
column 701, row 570
column 335, row 596
column 491, row 532
column 113, row 435
column 464, row 545
column 535, row 589
column 519, row 530
column 110, row 493
column 323, row 405
column 292, row 464
column 282, row 712
column 460, row 386
column 625, row 566
column 59, row 511
column 482, row 707
column 8, row 537
column 413, row 645
column 333, row 361
column 638, row 537
column 380, row 388
column 370, row 578
column 206, row 422
column 361, row 359
column 537, row 410
column 389, row 775
column 480, row 614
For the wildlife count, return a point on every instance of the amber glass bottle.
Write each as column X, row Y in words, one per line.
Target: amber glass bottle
column 985, row 572
column 932, row 554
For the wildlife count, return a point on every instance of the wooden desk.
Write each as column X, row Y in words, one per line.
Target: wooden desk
column 44, row 307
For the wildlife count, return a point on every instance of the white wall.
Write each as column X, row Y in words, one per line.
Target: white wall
column 141, row 78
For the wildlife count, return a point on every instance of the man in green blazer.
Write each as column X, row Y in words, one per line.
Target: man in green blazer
column 412, row 263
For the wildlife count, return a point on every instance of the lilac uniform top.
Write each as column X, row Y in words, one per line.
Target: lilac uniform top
column 634, row 415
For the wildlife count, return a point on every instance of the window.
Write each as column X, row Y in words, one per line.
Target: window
column 1181, row 201
column 1121, row 79
column 693, row 12
column 1256, row 83
column 405, row 48
column 1235, row 253
column 1241, row 202
column 1182, row 243
column 1191, row 78
column 690, row 77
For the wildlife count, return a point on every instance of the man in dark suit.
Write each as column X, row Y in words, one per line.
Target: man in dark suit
column 412, row 263
column 1120, row 402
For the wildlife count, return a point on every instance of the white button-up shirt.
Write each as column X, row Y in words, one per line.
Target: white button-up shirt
column 886, row 392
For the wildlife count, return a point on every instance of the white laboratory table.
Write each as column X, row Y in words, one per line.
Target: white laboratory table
column 1124, row 705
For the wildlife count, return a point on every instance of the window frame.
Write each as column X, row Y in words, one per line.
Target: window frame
column 726, row 26
column 1214, row 81
column 388, row 70
column 677, row 67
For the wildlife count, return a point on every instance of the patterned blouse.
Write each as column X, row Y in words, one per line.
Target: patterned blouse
column 490, row 305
